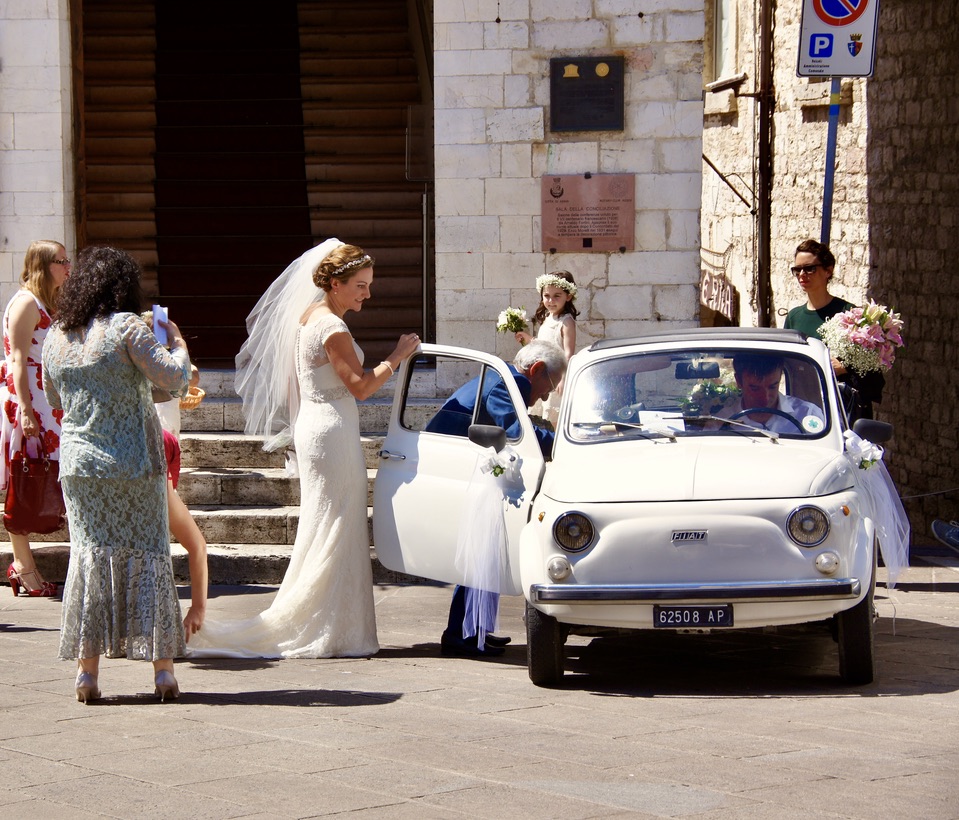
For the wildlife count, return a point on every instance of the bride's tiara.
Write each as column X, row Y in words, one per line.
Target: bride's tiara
column 359, row 262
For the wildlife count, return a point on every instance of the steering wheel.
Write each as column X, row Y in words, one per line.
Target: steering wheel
column 773, row 410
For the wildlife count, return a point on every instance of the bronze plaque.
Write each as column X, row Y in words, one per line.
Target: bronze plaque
column 586, row 93
column 589, row 212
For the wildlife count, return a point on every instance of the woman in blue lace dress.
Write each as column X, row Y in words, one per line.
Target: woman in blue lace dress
column 99, row 361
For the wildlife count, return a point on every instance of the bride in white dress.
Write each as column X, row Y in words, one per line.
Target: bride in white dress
column 301, row 373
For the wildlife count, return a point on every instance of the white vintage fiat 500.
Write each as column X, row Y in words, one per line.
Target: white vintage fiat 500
column 699, row 480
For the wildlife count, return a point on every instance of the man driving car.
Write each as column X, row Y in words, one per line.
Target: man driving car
column 762, row 405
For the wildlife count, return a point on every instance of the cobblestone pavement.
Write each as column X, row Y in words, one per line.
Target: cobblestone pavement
column 739, row 725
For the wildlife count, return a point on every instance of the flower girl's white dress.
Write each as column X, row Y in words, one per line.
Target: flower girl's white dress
column 552, row 331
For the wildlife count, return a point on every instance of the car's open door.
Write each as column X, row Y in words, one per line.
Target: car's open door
column 427, row 461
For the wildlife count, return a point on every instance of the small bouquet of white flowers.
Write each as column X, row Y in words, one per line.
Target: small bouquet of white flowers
column 864, row 339
column 512, row 320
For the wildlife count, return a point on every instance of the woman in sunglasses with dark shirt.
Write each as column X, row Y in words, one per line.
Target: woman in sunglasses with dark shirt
column 813, row 268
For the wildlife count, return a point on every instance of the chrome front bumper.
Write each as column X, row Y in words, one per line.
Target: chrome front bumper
column 726, row 593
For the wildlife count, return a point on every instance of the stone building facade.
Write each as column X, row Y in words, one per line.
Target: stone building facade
column 492, row 145
column 36, row 132
column 895, row 210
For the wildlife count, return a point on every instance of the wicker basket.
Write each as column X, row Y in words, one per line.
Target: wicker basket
column 192, row 399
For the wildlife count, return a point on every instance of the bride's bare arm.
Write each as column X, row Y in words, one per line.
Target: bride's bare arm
column 364, row 383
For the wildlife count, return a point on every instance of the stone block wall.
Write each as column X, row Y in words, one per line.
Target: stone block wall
column 36, row 121
column 894, row 217
column 911, row 159
column 493, row 145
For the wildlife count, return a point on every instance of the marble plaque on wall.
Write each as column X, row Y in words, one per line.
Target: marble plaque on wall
column 588, row 212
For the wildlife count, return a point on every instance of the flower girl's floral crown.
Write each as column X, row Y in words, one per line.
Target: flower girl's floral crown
column 359, row 262
column 557, row 282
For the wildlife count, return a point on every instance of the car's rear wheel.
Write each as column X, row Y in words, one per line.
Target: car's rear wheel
column 544, row 647
column 854, row 632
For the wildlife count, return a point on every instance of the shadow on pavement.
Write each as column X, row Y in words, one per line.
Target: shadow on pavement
column 935, row 586
column 309, row 698
column 920, row 658
column 514, row 655
column 14, row 628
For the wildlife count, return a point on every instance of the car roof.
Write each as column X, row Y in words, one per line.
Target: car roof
column 708, row 334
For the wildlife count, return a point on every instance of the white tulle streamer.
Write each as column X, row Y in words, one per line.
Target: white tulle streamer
column 889, row 516
column 481, row 547
column 266, row 363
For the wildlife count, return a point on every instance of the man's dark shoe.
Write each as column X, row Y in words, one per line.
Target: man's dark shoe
column 946, row 531
column 497, row 640
column 467, row 648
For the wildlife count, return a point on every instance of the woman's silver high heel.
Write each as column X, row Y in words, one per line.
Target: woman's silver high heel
column 166, row 686
column 87, row 688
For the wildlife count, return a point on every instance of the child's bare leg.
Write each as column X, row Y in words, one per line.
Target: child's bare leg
column 186, row 531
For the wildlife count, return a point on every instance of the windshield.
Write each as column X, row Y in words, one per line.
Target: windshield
column 699, row 392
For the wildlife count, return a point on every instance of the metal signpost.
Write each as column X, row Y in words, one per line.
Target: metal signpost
column 837, row 39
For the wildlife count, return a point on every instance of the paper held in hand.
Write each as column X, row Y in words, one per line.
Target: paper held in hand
column 160, row 314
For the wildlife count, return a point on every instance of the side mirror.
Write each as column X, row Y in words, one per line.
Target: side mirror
column 488, row 435
column 871, row 430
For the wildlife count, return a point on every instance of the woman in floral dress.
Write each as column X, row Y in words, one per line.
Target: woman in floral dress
column 27, row 417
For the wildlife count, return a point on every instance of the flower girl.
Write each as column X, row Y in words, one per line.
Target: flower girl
column 556, row 321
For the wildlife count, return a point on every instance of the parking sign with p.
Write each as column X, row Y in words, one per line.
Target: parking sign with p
column 838, row 38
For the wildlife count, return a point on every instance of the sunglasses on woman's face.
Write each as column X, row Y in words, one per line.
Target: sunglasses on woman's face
column 799, row 270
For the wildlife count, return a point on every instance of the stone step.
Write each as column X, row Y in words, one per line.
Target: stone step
column 219, row 384
column 230, row 502
column 237, row 486
column 229, row 524
column 237, row 492
column 221, row 409
column 226, row 414
column 253, row 524
column 268, row 524
column 236, row 451
column 227, row 564
column 226, row 450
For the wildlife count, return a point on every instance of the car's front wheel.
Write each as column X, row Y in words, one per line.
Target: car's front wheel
column 854, row 632
column 544, row 647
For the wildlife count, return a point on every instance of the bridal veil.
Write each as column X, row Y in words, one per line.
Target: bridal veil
column 266, row 364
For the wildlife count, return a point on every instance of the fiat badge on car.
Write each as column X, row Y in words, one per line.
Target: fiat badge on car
column 688, row 535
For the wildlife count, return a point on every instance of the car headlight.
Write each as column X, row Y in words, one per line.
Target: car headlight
column 808, row 526
column 573, row 532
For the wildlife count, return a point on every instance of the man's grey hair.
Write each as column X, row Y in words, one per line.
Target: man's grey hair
column 538, row 350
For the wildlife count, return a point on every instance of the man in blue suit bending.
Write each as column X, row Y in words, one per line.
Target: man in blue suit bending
column 537, row 368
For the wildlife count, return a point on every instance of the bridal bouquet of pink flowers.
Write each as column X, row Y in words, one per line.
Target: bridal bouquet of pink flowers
column 864, row 339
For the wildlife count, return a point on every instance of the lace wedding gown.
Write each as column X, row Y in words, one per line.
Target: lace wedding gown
column 324, row 607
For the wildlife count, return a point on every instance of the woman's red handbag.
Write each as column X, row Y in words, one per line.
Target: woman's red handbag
column 34, row 502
